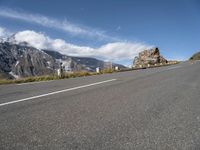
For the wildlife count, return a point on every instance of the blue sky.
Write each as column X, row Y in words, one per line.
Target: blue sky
column 116, row 28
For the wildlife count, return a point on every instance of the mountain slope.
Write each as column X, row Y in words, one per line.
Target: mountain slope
column 22, row 60
column 84, row 63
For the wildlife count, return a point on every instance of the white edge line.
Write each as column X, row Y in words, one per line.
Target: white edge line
column 56, row 92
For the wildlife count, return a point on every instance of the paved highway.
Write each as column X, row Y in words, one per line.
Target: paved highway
column 156, row 108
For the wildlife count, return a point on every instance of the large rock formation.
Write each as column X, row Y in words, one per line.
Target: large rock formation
column 196, row 56
column 148, row 58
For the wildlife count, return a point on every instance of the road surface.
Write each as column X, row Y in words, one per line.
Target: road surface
column 156, row 108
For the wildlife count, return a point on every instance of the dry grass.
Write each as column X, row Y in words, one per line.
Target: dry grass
column 29, row 79
column 46, row 78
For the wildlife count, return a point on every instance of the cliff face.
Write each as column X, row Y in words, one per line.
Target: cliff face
column 149, row 57
column 23, row 61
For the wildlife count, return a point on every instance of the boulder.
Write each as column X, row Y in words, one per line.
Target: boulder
column 196, row 56
column 148, row 58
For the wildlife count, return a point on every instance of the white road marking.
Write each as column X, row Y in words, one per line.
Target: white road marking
column 56, row 92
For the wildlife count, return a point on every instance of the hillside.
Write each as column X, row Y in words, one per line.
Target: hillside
column 22, row 60
column 78, row 63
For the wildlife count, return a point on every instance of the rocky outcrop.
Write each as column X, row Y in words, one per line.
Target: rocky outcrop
column 149, row 57
column 196, row 56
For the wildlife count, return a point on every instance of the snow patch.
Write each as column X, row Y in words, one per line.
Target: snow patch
column 67, row 65
column 49, row 63
column 14, row 75
column 16, row 63
column 88, row 68
column 49, row 67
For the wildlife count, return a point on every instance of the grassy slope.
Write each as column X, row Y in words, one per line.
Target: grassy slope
column 52, row 77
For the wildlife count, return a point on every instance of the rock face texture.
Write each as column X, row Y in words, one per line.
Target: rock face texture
column 80, row 63
column 148, row 58
column 21, row 60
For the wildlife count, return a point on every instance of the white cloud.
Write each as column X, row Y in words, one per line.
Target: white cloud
column 4, row 32
column 65, row 25
column 121, row 50
column 116, row 51
column 35, row 39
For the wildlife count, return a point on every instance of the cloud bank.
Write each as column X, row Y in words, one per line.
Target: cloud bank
column 64, row 25
column 115, row 51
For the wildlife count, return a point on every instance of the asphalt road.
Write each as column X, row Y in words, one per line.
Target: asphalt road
column 155, row 108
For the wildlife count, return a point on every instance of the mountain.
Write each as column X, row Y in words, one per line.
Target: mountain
column 196, row 56
column 22, row 60
column 149, row 57
column 81, row 63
